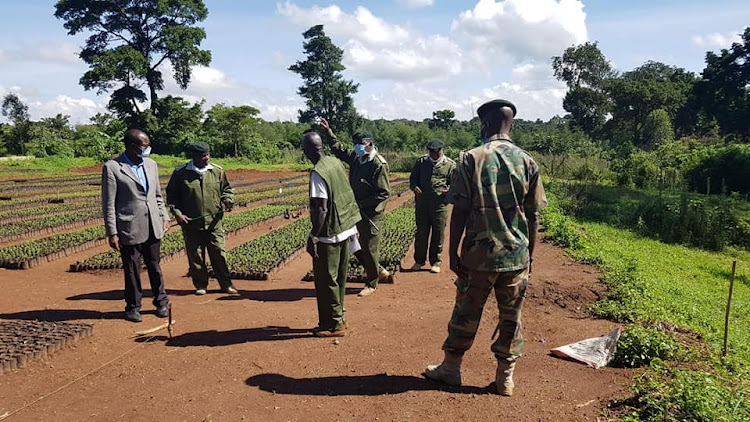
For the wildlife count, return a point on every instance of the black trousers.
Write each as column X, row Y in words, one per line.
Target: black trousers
column 131, row 263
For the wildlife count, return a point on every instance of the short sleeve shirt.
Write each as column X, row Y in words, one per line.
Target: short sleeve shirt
column 499, row 183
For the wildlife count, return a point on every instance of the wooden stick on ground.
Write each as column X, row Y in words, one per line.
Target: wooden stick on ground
column 167, row 325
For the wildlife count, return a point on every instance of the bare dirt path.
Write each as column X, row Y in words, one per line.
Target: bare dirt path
column 251, row 357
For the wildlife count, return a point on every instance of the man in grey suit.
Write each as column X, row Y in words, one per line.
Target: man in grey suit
column 136, row 219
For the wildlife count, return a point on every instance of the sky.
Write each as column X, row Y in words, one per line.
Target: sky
column 410, row 57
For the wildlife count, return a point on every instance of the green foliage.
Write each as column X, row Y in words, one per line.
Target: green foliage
column 688, row 395
column 130, row 40
column 442, row 118
column 22, row 252
column 640, row 346
column 258, row 257
column 327, row 94
column 722, row 169
column 722, row 92
column 582, row 65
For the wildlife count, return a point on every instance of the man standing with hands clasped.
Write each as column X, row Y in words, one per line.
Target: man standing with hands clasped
column 430, row 179
column 496, row 197
column 334, row 216
column 135, row 220
column 368, row 177
column 198, row 193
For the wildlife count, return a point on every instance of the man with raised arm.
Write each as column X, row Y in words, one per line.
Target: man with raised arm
column 496, row 197
column 368, row 177
column 135, row 220
column 334, row 216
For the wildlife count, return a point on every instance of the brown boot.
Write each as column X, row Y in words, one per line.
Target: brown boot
column 448, row 372
column 504, row 377
column 385, row 277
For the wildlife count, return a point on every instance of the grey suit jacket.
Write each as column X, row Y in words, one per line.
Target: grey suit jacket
column 128, row 209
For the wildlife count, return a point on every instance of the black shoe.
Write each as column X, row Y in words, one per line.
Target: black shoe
column 162, row 311
column 133, row 316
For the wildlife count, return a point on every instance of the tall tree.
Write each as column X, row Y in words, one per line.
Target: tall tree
column 130, row 41
column 724, row 91
column 18, row 113
column 649, row 87
column 582, row 65
column 442, row 118
column 585, row 70
column 327, row 94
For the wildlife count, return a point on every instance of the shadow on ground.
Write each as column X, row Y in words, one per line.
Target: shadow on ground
column 213, row 338
column 119, row 294
column 362, row 385
column 280, row 295
column 59, row 315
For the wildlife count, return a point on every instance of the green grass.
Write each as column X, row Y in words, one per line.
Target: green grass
column 651, row 282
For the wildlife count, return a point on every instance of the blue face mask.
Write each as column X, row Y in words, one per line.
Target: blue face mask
column 359, row 150
column 482, row 137
column 145, row 152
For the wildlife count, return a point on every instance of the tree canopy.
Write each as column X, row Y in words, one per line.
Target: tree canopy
column 130, row 41
column 327, row 94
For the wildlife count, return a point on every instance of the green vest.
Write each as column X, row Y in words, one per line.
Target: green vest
column 343, row 212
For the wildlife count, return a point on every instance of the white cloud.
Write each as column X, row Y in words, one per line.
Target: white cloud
column 414, row 4
column 59, row 53
column 376, row 49
column 521, row 29
column 717, row 40
column 79, row 109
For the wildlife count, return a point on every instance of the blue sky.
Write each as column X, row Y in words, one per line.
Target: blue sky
column 410, row 57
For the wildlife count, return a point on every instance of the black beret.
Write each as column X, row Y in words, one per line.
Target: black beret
column 435, row 144
column 489, row 105
column 361, row 136
column 198, row 148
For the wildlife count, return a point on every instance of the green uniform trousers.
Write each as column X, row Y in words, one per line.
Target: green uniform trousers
column 471, row 295
column 369, row 255
column 431, row 214
column 197, row 243
column 330, row 269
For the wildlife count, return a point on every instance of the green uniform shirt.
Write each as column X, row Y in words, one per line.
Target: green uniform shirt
column 499, row 183
column 199, row 196
column 433, row 179
column 343, row 213
column 368, row 179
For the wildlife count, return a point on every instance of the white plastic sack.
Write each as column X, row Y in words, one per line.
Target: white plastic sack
column 594, row 352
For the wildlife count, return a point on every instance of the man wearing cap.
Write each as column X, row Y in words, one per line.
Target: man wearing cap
column 430, row 179
column 368, row 177
column 135, row 220
column 496, row 196
column 334, row 216
column 198, row 193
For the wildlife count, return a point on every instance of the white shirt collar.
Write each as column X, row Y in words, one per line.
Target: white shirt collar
column 191, row 166
column 369, row 157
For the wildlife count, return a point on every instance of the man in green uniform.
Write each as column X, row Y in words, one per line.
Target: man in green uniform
column 496, row 197
column 334, row 216
column 368, row 177
column 430, row 179
column 198, row 193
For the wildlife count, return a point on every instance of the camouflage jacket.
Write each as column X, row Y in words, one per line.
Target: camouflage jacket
column 499, row 183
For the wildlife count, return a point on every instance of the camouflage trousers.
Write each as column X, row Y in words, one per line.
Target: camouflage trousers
column 471, row 295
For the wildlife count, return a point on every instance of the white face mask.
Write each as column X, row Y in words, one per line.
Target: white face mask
column 145, row 152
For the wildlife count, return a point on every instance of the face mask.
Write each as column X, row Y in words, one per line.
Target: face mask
column 359, row 150
column 145, row 152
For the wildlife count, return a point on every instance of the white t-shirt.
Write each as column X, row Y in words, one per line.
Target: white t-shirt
column 319, row 189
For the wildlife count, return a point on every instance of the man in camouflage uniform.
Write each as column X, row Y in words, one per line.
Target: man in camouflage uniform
column 496, row 194
column 368, row 177
column 198, row 193
column 430, row 179
column 334, row 215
